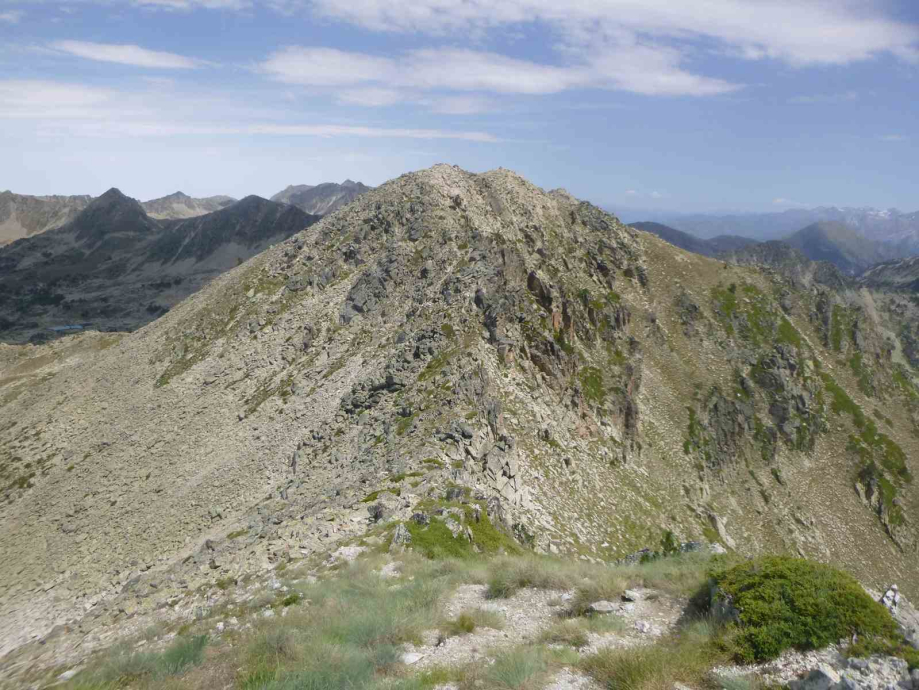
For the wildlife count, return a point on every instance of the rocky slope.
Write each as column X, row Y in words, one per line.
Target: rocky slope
column 181, row 205
column 22, row 215
column 902, row 275
column 594, row 385
column 117, row 268
column 321, row 199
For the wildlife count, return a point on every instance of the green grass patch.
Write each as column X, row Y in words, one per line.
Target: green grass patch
column 686, row 657
column 791, row 603
column 123, row 667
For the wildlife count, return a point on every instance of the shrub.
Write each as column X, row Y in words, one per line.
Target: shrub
column 789, row 603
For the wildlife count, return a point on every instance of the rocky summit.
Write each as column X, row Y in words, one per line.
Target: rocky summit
column 595, row 386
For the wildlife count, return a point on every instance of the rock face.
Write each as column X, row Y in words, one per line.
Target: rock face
column 321, row 199
column 179, row 205
column 445, row 331
column 22, row 215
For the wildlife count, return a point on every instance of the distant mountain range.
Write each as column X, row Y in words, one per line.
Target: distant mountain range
column 23, row 215
column 691, row 243
column 181, row 205
column 321, row 199
column 117, row 267
column 825, row 241
column 898, row 230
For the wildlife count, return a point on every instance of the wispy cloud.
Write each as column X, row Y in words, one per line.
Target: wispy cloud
column 640, row 69
column 816, row 32
column 125, row 55
column 11, row 16
column 893, row 137
column 63, row 109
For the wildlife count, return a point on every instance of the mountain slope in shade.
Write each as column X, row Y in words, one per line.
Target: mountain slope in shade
column 321, row 199
column 840, row 245
column 691, row 243
column 180, row 205
column 593, row 384
column 22, row 215
column 117, row 268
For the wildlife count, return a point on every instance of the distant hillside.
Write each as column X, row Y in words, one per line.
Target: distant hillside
column 180, row 205
column 691, row 243
column 22, row 215
column 898, row 231
column 840, row 245
column 902, row 275
column 789, row 262
column 117, row 268
column 321, row 199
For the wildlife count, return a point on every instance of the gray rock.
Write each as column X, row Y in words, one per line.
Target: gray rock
column 401, row 538
column 602, row 607
column 824, row 677
column 631, row 595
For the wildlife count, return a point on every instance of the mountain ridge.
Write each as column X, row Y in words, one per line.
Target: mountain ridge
column 115, row 266
column 321, row 199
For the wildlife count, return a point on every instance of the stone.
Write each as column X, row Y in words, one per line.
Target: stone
column 401, row 538
column 891, row 599
column 631, row 595
column 644, row 627
column 347, row 553
column 602, row 606
column 824, row 677
column 376, row 512
column 70, row 673
column 454, row 527
column 421, row 519
column 409, row 658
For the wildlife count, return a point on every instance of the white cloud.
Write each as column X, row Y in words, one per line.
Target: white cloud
column 125, row 55
column 11, row 16
column 62, row 109
column 893, row 137
column 631, row 192
column 798, row 33
column 639, row 69
column 782, row 201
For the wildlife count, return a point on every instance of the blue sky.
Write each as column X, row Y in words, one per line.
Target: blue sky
column 692, row 106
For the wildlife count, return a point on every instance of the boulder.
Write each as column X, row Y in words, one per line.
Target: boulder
column 602, row 607
column 824, row 677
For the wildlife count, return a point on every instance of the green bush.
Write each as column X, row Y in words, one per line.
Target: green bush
column 787, row 603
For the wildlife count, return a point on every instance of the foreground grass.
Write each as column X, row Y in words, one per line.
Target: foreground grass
column 347, row 630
